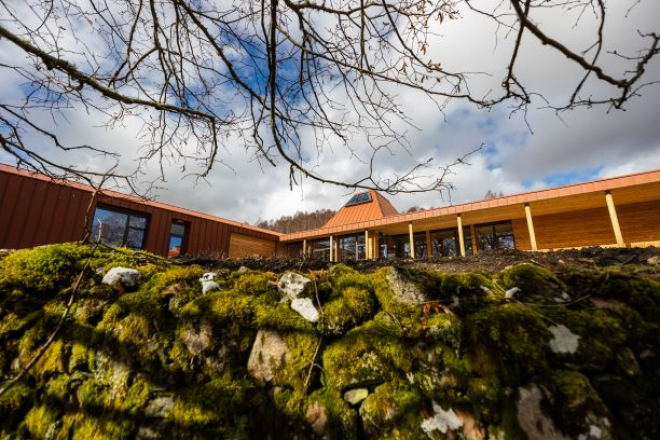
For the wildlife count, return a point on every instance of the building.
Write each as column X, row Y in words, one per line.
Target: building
column 35, row 210
column 622, row 211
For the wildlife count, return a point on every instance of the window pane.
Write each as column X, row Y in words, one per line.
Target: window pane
column 178, row 229
column 113, row 226
column 138, row 221
column 134, row 238
column 175, row 246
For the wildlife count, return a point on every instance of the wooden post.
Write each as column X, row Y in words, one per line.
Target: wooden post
column 304, row 249
column 461, row 240
column 366, row 244
column 376, row 247
column 337, row 259
column 429, row 252
column 412, row 241
column 530, row 227
column 332, row 248
column 473, row 235
column 615, row 220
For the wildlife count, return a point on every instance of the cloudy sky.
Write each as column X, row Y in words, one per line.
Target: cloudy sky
column 520, row 152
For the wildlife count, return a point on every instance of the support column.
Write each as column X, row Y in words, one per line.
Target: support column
column 615, row 220
column 332, row 248
column 304, row 249
column 429, row 252
column 376, row 247
column 530, row 227
column 412, row 240
column 473, row 235
column 461, row 239
column 366, row 244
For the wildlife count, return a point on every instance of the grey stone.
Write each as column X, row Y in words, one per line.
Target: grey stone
column 269, row 352
column 563, row 340
column 512, row 293
column 305, row 307
column 241, row 270
column 124, row 276
column 316, row 417
column 292, row 285
column 627, row 361
column 198, row 341
column 654, row 261
column 531, row 418
column 441, row 420
column 208, row 282
column 159, row 407
column 404, row 290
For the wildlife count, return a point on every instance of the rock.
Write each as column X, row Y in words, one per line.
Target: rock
column 242, row 270
column 531, row 418
column 627, row 361
column 268, row 353
column 563, row 341
column 654, row 261
column 316, row 417
column 404, row 290
column 292, row 284
column 441, row 420
column 472, row 430
column 156, row 424
column 198, row 341
column 121, row 277
column 306, row 308
column 208, row 282
column 512, row 293
column 160, row 407
column 355, row 396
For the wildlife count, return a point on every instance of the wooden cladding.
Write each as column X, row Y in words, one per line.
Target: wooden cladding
column 35, row 211
column 241, row 246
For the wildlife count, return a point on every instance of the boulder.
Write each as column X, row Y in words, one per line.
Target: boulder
column 532, row 419
column 208, row 282
column 563, row 340
column 121, row 277
column 403, row 289
column 305, row 307
column 269, row 352
column 316, row 417
column 292, row 285
column 441, row 420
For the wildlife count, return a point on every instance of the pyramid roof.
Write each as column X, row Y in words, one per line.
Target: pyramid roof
column 362, row 207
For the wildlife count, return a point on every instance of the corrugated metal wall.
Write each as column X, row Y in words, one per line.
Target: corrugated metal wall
column 34, row 212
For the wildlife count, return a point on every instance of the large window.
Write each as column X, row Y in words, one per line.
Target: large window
column 295, row 250
column 444, row 243
column 352, row 247
column 321, row 249
column 495, row 236
column 120, row 228
column 178, row 232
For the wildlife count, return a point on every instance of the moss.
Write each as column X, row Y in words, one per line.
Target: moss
column 484, row 394
column 512, row 340
column 302, row 347
column 41, row 421
column 537, row 284
column 371, row 353
column 348, row 309
column 13, row 324
column 576, row 401
column 220, row 308
column 54, row 360
column 445, row 328
column 281, row 317
column 465, row 293
column 257, row 283
column 15, row 403
column 600, row 336
column 393, row 412
column 160, row 281
column 44, row 269
column 341, row 419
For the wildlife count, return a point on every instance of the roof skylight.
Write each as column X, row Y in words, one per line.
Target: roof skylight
column 359, row 199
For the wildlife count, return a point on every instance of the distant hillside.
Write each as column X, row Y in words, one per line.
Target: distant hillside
column 300, row 221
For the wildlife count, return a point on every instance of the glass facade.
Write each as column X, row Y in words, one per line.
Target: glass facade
column 178, row 234
column 120, row 228
column 295, row 250
column 444, row 243
column 495, row 236
column 320, row 249
column 351, row 247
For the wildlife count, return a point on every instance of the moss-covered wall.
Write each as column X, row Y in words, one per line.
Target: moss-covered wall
column 405, row 354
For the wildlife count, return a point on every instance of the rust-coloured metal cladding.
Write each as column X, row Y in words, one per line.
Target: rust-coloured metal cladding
column 36, row 210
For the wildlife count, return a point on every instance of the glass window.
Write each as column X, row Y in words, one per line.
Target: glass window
column 419, row 241
column 444, row 243
column 120, row 228
column 320, row 249
column 295, row 250
column 358, row 199
column 352, row 247
column 495, row 236
column 176, row 245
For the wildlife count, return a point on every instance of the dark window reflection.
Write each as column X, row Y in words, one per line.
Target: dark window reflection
column 120, row 228
column 495, row 236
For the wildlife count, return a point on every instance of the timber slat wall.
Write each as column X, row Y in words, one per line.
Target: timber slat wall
column 35, row 211
column 245, row 246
